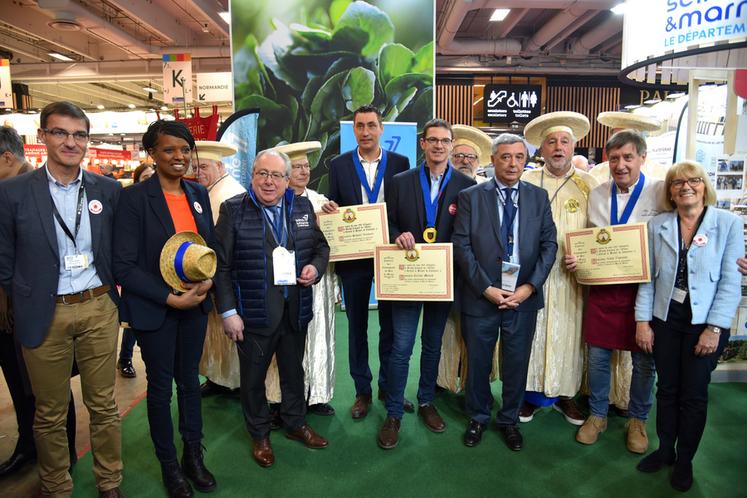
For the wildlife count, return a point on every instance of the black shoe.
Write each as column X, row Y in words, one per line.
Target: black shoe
column 126, row 369
column 655, row 461
column 512, row 437
column 682, row 476
column 194, row 468
column 473, row 435
column 276, row 421
column 323, row 409
column 407, row 404
column 17, row 461
column 210, row 388
column 175, row 481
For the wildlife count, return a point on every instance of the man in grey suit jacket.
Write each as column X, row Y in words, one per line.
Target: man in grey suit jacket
column 55, row 261
column 501, row 224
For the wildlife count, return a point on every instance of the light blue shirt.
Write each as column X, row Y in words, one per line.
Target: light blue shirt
column 65, row 197
column 515, row 199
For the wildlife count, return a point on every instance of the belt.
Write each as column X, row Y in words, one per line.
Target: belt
column 82, row 297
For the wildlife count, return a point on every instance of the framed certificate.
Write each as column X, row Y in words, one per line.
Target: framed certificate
column 616, row 254
column 352, row 232
column 425, row 273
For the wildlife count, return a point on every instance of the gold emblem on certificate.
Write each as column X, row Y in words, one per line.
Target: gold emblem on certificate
column 412, row 255
column 429, row 235
column 423, row 273
column 603, row 237
column 571, row 205
column 348, row 216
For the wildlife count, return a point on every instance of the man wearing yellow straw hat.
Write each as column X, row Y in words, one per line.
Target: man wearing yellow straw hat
column 219, row 362
column 556, row 362
column 472, row 149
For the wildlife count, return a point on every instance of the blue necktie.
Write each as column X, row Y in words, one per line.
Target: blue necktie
column 277, row 222
column 509, row 212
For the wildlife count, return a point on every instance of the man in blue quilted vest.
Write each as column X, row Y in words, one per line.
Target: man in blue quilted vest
column 270, row 253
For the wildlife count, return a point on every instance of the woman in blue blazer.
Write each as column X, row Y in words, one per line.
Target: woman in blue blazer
column 170, row 327
column 683, row 315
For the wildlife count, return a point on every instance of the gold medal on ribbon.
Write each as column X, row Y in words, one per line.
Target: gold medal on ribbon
column 429, row 235
column 571, row 205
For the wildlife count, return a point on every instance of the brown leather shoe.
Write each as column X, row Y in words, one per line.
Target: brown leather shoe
column 432, row 419
column 111, row 493
column 389, row 434
column 262, row 452
column 308, row 437
column 361, row 406
column 406, row 403
column 570, row 411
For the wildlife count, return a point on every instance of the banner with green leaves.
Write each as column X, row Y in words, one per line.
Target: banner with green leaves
column 308, row 64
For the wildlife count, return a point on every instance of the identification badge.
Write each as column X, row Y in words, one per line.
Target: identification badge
column 509, row 276
column 679, row 295
column 76, row 262
column 284, row 266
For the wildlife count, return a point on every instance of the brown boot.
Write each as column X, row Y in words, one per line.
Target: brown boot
column 589, row 432
column 361, row 406
column 637, row 439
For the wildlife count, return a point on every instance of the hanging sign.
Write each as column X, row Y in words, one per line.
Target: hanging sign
column 6, row 88
column 508, row 103
column 214, row 87
column 177, row 78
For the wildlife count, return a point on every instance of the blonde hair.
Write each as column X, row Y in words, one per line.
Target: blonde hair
column 688, row 169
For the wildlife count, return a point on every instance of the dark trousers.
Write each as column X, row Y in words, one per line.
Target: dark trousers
column 356, row 289
column 255, row 354
column 516, row 330
column 128, row 345
column 682, row 388
column 172, row 354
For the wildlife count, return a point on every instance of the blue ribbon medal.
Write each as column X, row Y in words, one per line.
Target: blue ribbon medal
column 629, row 206
column 373, row 194
column 430, row 233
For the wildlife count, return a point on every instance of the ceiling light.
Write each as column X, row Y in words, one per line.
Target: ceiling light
column 100, row 106
column 131, row 106
column 61, row 57
column 149, row 89
column 618, row 9
column 226, row 16
column 499, row 14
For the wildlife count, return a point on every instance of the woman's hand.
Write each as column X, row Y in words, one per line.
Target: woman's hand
column 188, row 300
column 644, row 336
column 707, row 343
column 570, row 262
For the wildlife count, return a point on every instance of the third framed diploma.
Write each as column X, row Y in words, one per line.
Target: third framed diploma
column 352, row 232
column 425, row 273
column 616, row 254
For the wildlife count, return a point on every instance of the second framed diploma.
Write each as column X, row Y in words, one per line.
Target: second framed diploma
column 352, row 232
column 425, row 273
column 616, row 254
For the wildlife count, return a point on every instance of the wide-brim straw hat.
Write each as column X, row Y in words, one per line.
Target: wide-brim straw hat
column 473, row 137
column 186, row 252
column 618, row 119
column 571, row 122
column 216, row 151
column 299, row 150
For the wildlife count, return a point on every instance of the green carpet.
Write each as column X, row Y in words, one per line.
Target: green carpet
column 551, row 464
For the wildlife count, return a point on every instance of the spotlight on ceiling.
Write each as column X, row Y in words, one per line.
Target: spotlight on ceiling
column 499, row 15
column 131, row 106
column 100, row 106
column 60, row 57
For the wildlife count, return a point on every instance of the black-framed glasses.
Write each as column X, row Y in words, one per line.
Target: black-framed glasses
column 80, row 137
column 434, row 140
column 461, row 157
column 264, row 174
column 693, row 182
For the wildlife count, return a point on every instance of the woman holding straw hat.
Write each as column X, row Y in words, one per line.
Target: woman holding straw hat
column 164, row 266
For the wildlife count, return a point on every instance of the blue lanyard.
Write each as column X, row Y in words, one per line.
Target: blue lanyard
column 432, row 206
column 279, row 233
column 373, row 194
column 628, row 207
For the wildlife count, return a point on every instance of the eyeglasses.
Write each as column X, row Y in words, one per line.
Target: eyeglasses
column 305, row 166
column 434, row 140
column 80, row 137
column 693, row 182
column 274, row 175
column 461, row 157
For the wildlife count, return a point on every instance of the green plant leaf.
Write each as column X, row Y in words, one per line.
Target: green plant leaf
column 337, row 9
column 273, row 52
column 358, row 88
column 394, row 59
column 327, row 105
column 424, row 60
column 371, row 20
column 351, row 38
column 419, row 110
column 401, row 89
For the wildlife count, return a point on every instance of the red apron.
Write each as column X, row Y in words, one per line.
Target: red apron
column 609, row 318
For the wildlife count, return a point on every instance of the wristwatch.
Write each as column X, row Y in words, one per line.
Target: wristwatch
column 714, row 330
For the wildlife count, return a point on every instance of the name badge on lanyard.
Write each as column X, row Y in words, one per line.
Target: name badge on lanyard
column 679, row 295
column 76, row 262
column 284, row 266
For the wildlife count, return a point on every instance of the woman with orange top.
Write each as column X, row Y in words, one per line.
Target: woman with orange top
column 169, row 326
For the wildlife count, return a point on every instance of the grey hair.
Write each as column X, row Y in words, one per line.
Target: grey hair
column 276, row 153
column 11, row 141
column 625, row 137
column 508, row 139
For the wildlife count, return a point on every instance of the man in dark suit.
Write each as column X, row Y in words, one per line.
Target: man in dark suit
column 55, row 261
column 500, row 224
column 270, row 253
column 363, row 176
column 421, row 204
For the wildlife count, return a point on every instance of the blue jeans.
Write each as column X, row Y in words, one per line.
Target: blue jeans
column 128, row 344
column 406, row 316
column 641, row 385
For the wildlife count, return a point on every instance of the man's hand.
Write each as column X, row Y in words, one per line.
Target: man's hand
column 405, row 241
column 233, row 326
column 570, row 262
column 520, row 294
column 330, row 207
column 644, row 336
column 496, row 296
column 742, row 264
column 202, row 287
column 308, row 275
column 186, row 301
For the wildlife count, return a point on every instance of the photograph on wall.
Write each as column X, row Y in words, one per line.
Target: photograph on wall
column 308, row 64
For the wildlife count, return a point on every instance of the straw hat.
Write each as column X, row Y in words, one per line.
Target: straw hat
column 570, row 122
column 638, row 122
column 473, row 137
column 215, row 151
column 298, row 150
column 197, row 261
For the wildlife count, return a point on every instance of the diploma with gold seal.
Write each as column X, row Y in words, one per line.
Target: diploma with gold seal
column 352, row 232
column 425, row 273
column 616, row 254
